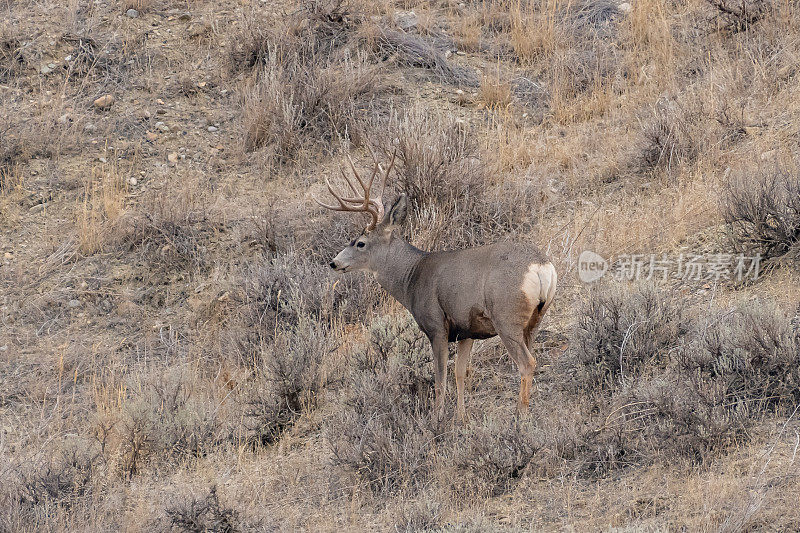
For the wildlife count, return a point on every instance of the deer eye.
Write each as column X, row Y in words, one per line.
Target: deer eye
column 360, row 244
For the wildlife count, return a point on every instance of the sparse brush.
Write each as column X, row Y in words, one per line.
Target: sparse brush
column 620, row 333
column 413, row 51
column 288, row 379
column 667, row 141
column 763, row 211
column 299, row 99
column 382, row 431
column 206, row 514
column 740, row 15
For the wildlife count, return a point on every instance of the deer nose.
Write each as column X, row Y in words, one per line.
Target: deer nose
column 333, row 265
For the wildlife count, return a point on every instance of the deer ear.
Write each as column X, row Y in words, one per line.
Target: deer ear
column 397, row 213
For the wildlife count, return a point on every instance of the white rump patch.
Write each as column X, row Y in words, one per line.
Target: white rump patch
column 539, row 283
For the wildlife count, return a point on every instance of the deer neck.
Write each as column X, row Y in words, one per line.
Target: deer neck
column 395, row 270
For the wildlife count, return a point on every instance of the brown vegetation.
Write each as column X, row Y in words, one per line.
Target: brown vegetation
column 176, row 356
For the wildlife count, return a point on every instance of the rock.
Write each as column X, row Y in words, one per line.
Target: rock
column 132, row 181
column 102, row 159
column 8, row 255
column 461, row 53
column 68, row 58
column 160, row 126
column 405, row 20
column 625, row 8
column 185, row 17
column 212, row 129
column 37, row 208
column 45, row 69
column 151, row 136
column 172, row 157
column 132, row 13
column 74, row 304
column 105, row 101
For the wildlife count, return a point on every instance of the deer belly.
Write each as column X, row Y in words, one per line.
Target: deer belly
column 477, row 326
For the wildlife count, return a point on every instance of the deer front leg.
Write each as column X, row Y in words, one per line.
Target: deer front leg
column 462, row 360
column 440, row 355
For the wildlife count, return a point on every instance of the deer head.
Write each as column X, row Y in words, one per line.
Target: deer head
column 364, row 251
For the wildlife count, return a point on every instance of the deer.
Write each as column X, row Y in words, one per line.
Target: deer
column 502, row 289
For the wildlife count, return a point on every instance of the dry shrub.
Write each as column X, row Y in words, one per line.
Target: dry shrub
column 103, row 204
column 166, row 228
column 316, row 27
column 740, row 15
column 439, row 167
column 381, row 431
column 618, row 333
column 494, row 454
column 763, row 211
column 667, row 141
column 169, row 418
column 413, row 51
column 62, row 478
column 311, row 83
column 287, row 379
column 201, row 515
column 12, row 61
column 284, row 290
column 299, row 99
column 665, row 385
column 572, row 45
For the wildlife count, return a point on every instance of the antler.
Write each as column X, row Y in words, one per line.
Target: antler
column 361, row 203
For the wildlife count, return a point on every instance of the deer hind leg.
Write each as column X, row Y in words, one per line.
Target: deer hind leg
column 526, row 363
column 462, row 360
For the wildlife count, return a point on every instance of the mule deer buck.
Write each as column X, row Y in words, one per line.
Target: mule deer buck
column 455, row 296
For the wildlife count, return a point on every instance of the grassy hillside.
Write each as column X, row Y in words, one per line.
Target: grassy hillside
column 175, row 354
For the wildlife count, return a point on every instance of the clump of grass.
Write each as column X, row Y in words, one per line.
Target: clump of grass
column 382, row 432
column 103, row 204
column 298, row 100
column 413, row 51
column 288, row 379
column 664, row 384
column 763, row 212
column 206, row 513
column 667, row 141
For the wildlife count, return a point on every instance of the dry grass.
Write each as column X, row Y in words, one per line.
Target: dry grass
column 176, row 356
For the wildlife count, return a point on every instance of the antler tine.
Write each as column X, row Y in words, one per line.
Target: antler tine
column 361, row 203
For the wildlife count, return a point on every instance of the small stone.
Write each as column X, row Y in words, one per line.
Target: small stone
column 89, row 127
column 132, row 181
column 160, row 102
column 625, row 7
column 447, row 54
column 45, row 69
column 173, row 157
column 212, row 129
column 132, row 13
column 461, row 53
column 161, row 111
column 105, row 101
column 8, row 255
column 202, row 84
column 160, row 126
column 102, row 159
column 37, row 208
column 63, row 119
column 74, row 304
column 68, row 58
column 405, row 20
column 185, row 17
